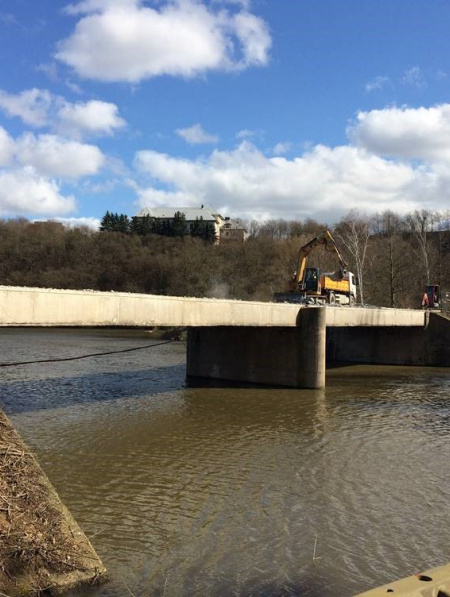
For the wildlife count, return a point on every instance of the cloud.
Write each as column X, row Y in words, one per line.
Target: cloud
column 32, row 105
column 92, row 118
column 40, row 108
column 57, row 157
column 24, row 191
column 413, row 77
column 196, row 135
column 282, row 148
column 123, row 40
column 32, row 169
column 7, row 147
column 376, row 84
column 406, row 133
column 88, row 6
column 324, row 182
column 246, row 134
column 93, row 223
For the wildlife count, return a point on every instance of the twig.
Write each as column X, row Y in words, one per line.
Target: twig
column 315, row 558
column 127, row 587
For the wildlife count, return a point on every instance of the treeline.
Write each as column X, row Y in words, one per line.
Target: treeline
column 392, row 256
column 143, row 226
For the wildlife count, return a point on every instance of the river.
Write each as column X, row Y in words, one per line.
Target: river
column 235, row 491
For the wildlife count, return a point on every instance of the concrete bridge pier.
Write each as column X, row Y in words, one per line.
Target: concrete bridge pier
column 279, row 356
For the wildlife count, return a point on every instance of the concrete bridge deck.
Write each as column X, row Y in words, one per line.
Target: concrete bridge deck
column 264, row 343
column 53, row 307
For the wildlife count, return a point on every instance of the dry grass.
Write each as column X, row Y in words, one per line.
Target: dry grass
column 34, row 538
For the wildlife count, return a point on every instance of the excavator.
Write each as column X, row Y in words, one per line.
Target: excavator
column 309, row 285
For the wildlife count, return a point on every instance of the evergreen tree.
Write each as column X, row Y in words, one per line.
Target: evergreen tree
column 114, row 222
column 142, row 225
column 178, row 226
column 122, row 223
column 106, row 222
column 203, row 230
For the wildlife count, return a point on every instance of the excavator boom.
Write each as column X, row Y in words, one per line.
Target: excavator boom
column 324, row 238
column 309, row 286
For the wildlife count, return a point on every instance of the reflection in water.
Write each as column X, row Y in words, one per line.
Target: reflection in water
column 219, row 491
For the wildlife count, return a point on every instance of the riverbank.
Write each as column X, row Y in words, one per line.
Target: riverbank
column 42, row 548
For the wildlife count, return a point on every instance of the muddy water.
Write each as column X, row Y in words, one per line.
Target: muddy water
column 222, row 491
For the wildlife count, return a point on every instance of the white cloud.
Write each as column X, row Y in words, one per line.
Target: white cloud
column 57, row 157
column 376, row 84
column 254, row 36
column 91, row 118
column 413, row 77
column 24, row 191
column 325, row 182
column 282, row 148
column 407, row 133
column 31, row 106
column 248, row 134
column 32, row 169
column 123, row 40
column 74, row 87
column 7, row 147
column 40, row 108
column 92, row 223
column 88, row 6
column 196, row 135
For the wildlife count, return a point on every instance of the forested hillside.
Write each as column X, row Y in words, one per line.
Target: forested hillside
column 393, row 257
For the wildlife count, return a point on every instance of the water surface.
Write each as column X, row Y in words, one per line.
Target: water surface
column 223, row 491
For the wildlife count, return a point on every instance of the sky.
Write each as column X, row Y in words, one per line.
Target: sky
column 259, row 108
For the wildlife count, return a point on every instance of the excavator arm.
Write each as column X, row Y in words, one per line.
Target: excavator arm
column 324, row 238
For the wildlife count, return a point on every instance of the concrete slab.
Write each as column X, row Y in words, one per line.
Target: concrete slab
column 53, row 307
column 431, row 583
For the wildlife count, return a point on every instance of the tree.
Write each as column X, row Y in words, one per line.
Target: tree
column 390, row 263
column 353, row 231
column 420, row 223
column 178, row 225
column 106, row 222
column 204, row 230
column 114, row 222
column 142, row 225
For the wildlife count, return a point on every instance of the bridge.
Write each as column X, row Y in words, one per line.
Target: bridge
column 246, row 341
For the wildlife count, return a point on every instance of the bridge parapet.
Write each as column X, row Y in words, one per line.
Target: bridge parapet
column 21, row 306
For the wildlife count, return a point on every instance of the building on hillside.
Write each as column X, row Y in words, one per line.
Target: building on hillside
column 232, row 231
column 48, row 224
column 192, row 214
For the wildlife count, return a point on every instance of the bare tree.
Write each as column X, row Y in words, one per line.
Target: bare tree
column 390, row 260
column 420, row 224
column 353, row 232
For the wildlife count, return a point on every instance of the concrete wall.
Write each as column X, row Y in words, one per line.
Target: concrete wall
column 376, row 345
column 51, row 307
column 357, row 316
column 437, row 341
column 429, row 345
column 292, row 357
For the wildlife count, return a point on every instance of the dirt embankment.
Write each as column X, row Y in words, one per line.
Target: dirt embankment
column 41, row 546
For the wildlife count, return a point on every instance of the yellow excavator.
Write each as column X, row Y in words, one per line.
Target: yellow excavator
column 310, row 286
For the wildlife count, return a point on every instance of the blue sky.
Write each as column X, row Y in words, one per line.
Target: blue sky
column 262, row 109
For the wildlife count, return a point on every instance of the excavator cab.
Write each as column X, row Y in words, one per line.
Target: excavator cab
column 312, row 280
